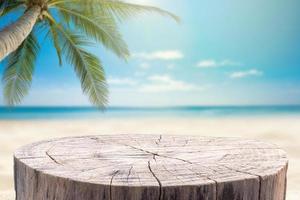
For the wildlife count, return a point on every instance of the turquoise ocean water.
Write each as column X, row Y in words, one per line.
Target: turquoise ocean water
column 21, row 113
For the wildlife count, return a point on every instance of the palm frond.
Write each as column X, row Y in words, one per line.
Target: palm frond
column 53, row 36
column 87, row 66
column 18, row 74
column 120, row 9
column 56, row 44
column 101, row 28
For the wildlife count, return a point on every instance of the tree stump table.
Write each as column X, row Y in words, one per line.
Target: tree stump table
column 150, row 167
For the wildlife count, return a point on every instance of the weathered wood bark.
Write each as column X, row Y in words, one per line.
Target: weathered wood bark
column 147, row 167
column 13, row 35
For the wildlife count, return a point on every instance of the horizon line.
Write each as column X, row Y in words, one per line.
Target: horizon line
column 149, row 106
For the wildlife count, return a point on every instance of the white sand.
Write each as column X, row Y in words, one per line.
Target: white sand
column 282, row 131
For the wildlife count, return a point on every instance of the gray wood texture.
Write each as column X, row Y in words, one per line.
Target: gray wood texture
column 150, row 167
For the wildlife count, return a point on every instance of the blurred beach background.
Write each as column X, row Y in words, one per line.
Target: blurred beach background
column 276, row 124
column 238, row 58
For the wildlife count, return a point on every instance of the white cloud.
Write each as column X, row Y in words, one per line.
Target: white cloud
column 213, row 63
column 121, row 81
column 164, row 83
column 146, row 66
column 242, row 74
column 160, row 55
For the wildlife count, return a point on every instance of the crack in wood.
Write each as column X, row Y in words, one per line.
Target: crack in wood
column 129, row 173
column 259, row 189
column 96, row 139
column 111, row 181
column 52, row 158
column 186, row 142
column 156, row 154
column 154, row 158
column 157, row 179
column 158, row 140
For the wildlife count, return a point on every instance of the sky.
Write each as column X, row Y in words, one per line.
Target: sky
column 230, row 52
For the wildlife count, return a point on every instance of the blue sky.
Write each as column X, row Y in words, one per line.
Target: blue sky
column 222, row 53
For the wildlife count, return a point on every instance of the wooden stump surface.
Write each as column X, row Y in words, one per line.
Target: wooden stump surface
column 150, row 167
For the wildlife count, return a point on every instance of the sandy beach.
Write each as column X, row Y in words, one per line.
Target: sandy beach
column 281, row 131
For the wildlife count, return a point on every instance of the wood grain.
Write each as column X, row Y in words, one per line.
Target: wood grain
column 150, row 167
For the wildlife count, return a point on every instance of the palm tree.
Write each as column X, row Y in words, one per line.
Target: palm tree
column 71, row 25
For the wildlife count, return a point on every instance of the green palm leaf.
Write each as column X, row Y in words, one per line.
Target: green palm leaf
column 18, row 74
column 87, row 66
column 120, row 9
column 55, row 40
column 101, row 28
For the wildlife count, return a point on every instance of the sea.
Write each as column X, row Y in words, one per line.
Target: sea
column 48, row 113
